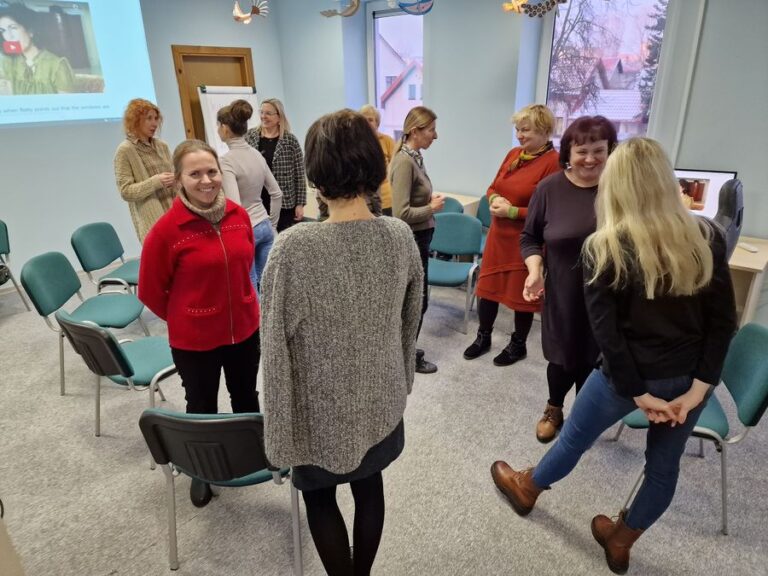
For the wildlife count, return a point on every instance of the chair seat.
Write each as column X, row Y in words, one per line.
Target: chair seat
column 447, row 273
column 128, row 272
column 148, row 356
column 109, row 310
column 712, row 418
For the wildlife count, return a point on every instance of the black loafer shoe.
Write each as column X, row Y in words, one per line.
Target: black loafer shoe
column 200, row 493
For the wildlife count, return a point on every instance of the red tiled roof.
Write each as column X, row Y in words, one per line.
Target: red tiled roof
column 398, row 82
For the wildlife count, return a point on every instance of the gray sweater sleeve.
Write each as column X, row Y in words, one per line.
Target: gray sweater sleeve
column 402, row 177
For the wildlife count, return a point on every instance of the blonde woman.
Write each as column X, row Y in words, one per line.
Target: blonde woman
column 412, row 198
column 143, row 167
column 373, row 118
column 661, row 305
column 283, row 154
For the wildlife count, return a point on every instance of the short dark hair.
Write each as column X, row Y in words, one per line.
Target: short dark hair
column 586, row 129
column 236, row 116
column 25, row 17
column 343, row 156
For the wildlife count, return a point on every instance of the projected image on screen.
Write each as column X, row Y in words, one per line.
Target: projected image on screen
column 63, row 60
column 48, row 48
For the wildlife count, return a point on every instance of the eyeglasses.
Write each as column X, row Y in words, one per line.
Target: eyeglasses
column 267, row 113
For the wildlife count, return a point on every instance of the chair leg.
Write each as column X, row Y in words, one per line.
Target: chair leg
column 160, row 391
column 98, row 405
column 19, row 290
column 724, row 487
column 170, row 497
column 298, row 563
column 618, row 432
column 61, row 363
column 701, row 447
column 143, row 326
column 634, row 490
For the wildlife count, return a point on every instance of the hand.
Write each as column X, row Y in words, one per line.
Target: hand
column 167, row 179
column 684, row 403
column 533, row 289
column 500, row 201
column 500, row 209
column 437, row 202
column 656, row 410
column 298, row 213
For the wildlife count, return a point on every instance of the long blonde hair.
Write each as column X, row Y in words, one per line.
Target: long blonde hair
column 418, row 117
column 642, row 225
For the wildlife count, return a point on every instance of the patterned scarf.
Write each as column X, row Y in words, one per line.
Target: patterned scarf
column 415, row 155
column 525, row 157
column 214, row 214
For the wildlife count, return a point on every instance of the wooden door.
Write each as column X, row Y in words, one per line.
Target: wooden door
column 207, row 66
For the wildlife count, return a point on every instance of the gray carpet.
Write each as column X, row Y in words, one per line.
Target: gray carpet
column 81, row 505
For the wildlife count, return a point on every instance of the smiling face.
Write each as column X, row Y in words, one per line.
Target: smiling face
column 12, row 31
column 150, row 122
column 422, row 138
column 200, row 178
column 587, row 161
column 270, row 117
column 530, row 140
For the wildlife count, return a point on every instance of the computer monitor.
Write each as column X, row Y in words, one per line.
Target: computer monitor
column 701, row 188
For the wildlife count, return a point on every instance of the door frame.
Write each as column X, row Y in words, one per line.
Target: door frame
column 180, row 51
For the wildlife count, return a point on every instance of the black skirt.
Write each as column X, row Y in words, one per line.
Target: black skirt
column 378, row 457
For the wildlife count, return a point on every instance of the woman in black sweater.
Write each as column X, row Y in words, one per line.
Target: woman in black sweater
column 661, row 305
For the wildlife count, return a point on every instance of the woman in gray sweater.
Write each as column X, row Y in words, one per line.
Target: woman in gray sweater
column 245, row 173
column 341, row 307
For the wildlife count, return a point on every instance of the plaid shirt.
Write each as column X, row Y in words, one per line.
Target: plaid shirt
column 287, row 167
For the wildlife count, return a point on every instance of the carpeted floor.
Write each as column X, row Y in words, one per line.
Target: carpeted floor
column 86, row 506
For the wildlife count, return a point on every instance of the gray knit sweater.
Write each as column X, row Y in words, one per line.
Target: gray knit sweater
column 341, row 305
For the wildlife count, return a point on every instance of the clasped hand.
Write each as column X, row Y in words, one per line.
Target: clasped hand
column 500, row 207
column 674, row 411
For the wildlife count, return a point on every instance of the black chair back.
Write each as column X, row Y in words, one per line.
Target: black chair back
column 213, row 448
column 98, row 347
column 730, row 213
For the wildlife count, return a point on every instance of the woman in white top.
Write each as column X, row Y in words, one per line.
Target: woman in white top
column 245, row 173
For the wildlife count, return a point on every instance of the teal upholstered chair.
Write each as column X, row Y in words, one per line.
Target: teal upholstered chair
column 455, row 235
column 50, row 281
column 134, row 365
column 97, row 246
column 452, row 206
column 5, row 252
column 484, row 215
column 220, row 449
column 745, row 376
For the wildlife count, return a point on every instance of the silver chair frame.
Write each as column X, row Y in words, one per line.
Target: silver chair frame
column 15, row 284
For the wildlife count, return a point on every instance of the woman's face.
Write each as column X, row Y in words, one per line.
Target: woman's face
column 150, row 122
column 372, row 121
column 422, row 138
column 269, row 116
column 200, row 178
column 530, row 140
column 15, row 32
column 588, row 160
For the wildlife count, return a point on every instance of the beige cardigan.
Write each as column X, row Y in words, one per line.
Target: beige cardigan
column 147, row 198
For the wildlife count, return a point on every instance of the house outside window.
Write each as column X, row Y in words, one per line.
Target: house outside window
column 411, row 91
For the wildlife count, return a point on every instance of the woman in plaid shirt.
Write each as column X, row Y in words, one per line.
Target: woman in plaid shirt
column 283, row 154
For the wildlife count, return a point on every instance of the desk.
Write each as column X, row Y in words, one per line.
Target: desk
column 747, row 273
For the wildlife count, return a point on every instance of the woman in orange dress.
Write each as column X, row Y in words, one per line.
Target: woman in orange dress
column 503, row 271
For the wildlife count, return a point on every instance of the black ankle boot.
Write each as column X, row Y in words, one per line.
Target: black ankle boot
column 424, row 366
column 480, row 346
column 514, row 351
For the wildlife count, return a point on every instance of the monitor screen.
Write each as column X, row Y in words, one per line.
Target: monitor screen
column 701, row 189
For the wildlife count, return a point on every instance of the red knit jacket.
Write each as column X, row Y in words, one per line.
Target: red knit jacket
column 196, row 278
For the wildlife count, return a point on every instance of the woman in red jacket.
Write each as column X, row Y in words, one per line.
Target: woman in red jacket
column 194, row 274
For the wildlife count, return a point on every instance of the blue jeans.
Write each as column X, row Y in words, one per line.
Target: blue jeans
column 597, row 408
column 263, row 237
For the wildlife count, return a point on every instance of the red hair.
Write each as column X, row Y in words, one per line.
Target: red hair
column 135, row 112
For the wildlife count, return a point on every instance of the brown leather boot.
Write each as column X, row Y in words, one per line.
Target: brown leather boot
column 550, row 424
column 518, row 487
column 617, row 539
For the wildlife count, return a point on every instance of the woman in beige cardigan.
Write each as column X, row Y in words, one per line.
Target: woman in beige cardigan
column 143, row 167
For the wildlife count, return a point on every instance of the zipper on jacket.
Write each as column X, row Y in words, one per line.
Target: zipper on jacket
column 229, row 285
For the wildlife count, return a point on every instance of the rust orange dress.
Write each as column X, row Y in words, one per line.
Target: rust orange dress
column 503, row 271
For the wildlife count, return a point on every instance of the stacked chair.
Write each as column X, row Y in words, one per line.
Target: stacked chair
column 97, row 246
column 5, row 252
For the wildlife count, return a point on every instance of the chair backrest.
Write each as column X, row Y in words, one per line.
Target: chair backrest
column 211, row 447
column 96, row 245
column 457, row 234
column 452, row 206
column 98, row 347
column 745, row 372
column 5, row 245
column 50, row 281
column 730, row 213
column 484, row 211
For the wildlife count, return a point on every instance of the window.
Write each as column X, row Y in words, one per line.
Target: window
column 398, row 63
column 604, row 60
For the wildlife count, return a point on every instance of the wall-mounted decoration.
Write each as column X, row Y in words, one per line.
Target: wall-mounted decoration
column 258, row 8
column 524, row 7
column 350, row 10
column 417, row 8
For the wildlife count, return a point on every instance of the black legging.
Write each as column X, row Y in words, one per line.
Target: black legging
column 330, row 533
column 487, row 310
column 423, row 239
column 561, row 381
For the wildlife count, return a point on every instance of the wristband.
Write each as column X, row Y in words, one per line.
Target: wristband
column 492, row 198
column 513, row 212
